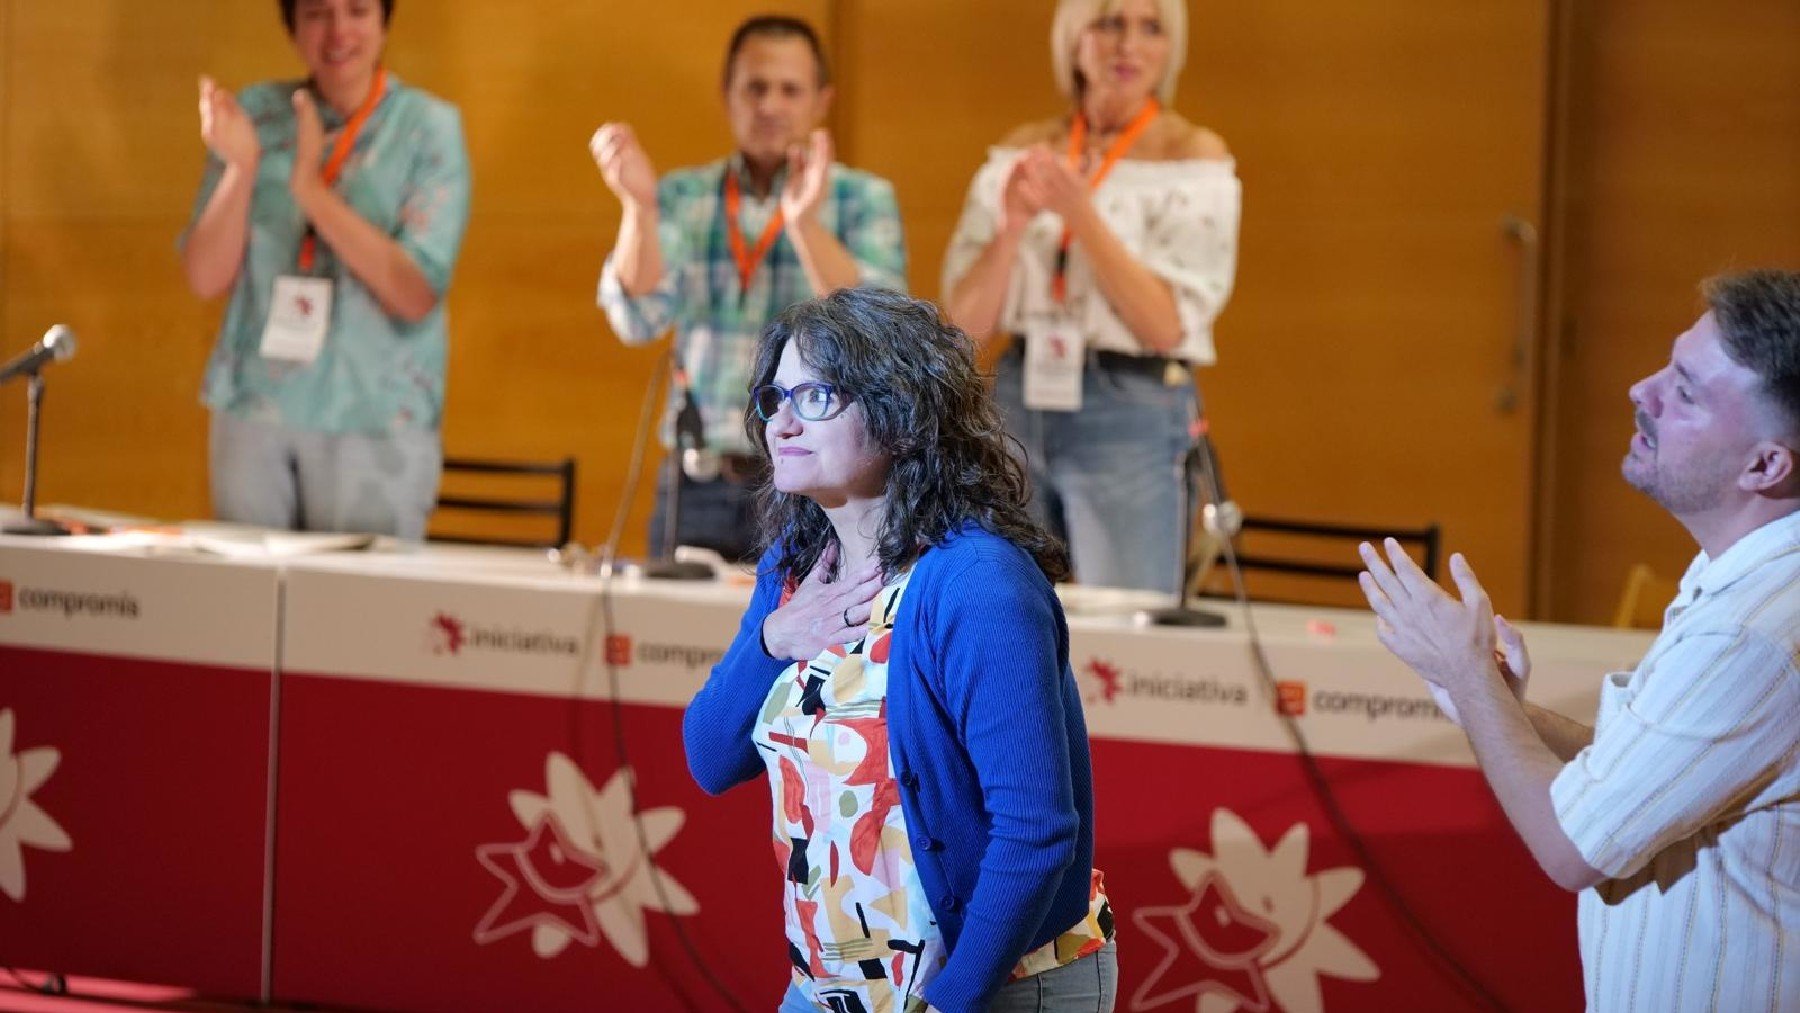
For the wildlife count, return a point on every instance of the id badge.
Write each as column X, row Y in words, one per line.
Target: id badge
column 299, row 313
column 1054, row 357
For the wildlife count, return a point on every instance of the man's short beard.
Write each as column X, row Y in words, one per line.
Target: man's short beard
column 1681, row 497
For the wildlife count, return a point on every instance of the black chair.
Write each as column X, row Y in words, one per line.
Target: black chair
column 1344, row 538
column 461, row 472
column 1321, row 550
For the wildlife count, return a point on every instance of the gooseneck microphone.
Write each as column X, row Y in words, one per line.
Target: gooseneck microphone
column 1221, row 516
column 1197, row 465
column 57, row 344
column 698, row 462
column 690, row 457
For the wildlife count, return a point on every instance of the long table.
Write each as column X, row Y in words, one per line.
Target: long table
column 135, row 745
column 479, row 800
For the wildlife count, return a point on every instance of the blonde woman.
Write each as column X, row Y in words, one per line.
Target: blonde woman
column 1104, row 240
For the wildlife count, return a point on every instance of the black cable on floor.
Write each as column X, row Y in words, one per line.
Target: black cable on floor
column 600, row 631
column 1458, row 973
column 53, row 984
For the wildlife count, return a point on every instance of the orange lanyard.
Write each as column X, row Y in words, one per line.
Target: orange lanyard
column 747, row 259
column 1059, row 284
column 340, row 153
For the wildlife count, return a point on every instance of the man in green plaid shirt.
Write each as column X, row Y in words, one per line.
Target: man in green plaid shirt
column 713, row 252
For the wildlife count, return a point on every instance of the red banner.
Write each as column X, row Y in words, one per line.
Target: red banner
column 456, row 849
column 133, row 815
column 467, row 850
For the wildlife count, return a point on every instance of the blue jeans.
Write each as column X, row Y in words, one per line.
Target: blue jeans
column 1089, row 985
column 271, row 476
column 1105, row 478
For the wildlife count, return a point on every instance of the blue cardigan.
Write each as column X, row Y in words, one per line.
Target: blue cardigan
column 988, row 743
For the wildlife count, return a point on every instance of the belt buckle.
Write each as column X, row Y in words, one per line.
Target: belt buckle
column 1175, row 374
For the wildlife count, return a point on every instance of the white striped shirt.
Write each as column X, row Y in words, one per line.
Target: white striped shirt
column 1689, row 797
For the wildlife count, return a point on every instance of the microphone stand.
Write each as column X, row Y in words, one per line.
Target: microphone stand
column 689, row 438
column 1196, row 458
column 33, row 524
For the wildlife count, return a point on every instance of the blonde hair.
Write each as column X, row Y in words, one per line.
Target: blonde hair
column 1074, row 16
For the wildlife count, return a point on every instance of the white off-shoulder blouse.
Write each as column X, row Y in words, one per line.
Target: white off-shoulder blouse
column 1179, row 219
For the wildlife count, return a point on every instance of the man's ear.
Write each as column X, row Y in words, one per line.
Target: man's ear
column 1774, row 469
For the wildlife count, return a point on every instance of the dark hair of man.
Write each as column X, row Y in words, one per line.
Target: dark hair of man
column 287, row 12
column 912, row 375
column 776, row 26
column 1758, row 313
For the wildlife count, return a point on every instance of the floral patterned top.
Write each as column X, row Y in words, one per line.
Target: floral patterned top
column 861, row 933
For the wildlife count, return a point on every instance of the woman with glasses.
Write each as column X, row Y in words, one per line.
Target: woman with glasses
column 902, row 675
column 1104, row 241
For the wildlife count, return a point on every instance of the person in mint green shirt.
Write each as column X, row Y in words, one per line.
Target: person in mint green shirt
column 332, row 211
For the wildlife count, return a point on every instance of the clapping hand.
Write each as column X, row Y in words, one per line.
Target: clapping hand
column 226, row 128
column 1021, row 198
column 1062, row 189
column 808, row 177
column 1515, row 668
column 309, row 145
column 623, row 164
column 1448, row 642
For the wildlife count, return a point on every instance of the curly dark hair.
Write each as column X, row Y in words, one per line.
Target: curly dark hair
column 913, row 374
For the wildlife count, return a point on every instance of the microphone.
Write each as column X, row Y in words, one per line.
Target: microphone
column 1221, row 516
column 697, row 462
column 58, row 344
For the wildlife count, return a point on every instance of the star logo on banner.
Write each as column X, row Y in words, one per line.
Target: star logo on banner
column 581, row 874
column 1210, row 945
column 22, row 821
column 546, row 881
column 447, row 634
column 1253, row 934
column 1105, row 678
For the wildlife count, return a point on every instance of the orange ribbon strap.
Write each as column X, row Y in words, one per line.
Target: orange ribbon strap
column 1059, row 286
column 340, row 153
column 747, row 259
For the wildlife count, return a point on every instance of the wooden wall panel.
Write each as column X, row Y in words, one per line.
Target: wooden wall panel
column 121, row 420
column 1379, row 144
column 101, row 156
column 1684, row 161
column 1375, row 314
column 9, row 421
column 100, row 160
column 927, row 86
